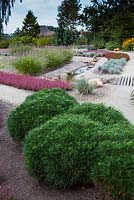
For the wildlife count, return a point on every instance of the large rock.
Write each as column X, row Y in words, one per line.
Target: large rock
column 96, row 81
column 63, row 76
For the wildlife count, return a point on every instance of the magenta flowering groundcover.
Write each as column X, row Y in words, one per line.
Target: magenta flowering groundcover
column 31, row 83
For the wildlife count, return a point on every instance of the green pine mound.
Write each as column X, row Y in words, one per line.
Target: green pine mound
column 101, row 113
column 60, row 152
column 68, row 144
column 72, row 149
column 37, row 109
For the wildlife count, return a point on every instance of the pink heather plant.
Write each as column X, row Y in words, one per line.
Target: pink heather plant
column 31, row 83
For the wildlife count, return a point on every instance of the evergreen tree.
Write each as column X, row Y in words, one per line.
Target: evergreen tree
column 30, row 25
column 68, row 19
column 110, row 19
column 68, row 13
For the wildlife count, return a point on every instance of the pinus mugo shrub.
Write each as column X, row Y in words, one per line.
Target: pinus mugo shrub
column 28, row 65
column 116, row 174
column 100, row 113
column 89, row 144
column 37, row 109
column 60, row 152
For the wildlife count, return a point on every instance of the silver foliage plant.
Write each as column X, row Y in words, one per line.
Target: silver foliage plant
column 113, row 66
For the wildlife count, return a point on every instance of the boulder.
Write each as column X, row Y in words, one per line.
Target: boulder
column 96, row 81
column 63, row 76
column 55, row 78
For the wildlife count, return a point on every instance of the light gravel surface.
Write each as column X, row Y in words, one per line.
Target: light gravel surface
column 13, row 95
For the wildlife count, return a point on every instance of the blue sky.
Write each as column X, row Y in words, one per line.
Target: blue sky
column 44, row 10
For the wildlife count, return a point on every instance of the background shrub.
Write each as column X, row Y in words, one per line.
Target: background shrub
column 4, row 44
column 128, row 44
column 36, row 110
column 57, row 57
column 91, row 47
column 84, row 87
column 43, row 41
column 113, row 55
column 60, row 152
column 21, row 40
column 111, row 45
column 99, row 43
column 19, row 50
column 28, row 65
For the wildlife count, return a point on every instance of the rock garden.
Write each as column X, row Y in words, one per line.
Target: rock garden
column 59, row 143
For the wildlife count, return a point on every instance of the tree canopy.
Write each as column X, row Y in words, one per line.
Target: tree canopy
column 110, row 19
column 68, row 19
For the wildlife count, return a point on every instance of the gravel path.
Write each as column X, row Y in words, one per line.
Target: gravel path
column 13, row 95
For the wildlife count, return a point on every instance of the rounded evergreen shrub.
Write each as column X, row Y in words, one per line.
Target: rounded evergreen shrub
column 100, row 113
column 114, row 164
column 60, row 152
column 37, row 109
column 116, row 175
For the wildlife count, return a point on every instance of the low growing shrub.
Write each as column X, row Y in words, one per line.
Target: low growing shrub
column 91, row 47
column 89, row 144
column 19, row 50
column 128, row 44
column 43, row 41
column 100, row 113
column 31, row 83
column 111, row 45
column 99, row 43
column 84, row 87
column 4, row 44
column 37, row 109
column 21, row 40
column 113, row 66
column 116, row 175
column 113, row 55
column 57, row 57
column 60, row 152
column 28, row 65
